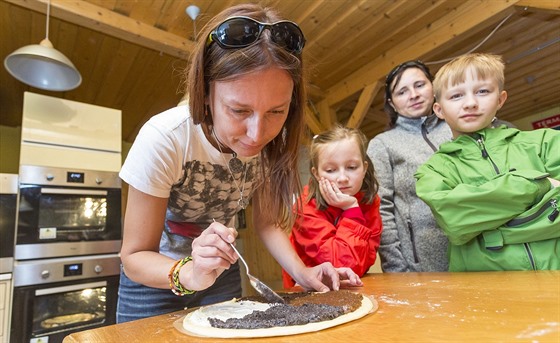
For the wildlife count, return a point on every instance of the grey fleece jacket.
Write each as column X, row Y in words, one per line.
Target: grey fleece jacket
column 411, row 240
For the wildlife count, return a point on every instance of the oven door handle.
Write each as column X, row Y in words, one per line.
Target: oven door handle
column 71, row 288
column 72, row 191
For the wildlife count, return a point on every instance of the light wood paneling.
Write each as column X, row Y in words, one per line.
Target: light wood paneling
column 261, row 263
column 131, row 53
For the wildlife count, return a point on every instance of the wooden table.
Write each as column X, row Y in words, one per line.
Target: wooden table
column 413, row 307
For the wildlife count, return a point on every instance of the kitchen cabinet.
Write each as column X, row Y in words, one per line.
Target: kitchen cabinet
column 5, row 306
column 69, row 134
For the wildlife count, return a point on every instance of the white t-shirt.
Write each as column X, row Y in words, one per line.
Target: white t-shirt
column 172, row 158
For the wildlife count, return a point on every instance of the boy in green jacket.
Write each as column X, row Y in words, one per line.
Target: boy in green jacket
column 494, row 192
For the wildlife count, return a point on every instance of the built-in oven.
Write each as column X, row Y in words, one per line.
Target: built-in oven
column 55, row 297
column 65, row 212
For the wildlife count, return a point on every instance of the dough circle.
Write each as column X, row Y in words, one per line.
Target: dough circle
column 191, row 325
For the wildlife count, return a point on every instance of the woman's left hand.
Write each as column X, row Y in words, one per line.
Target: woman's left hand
column 348, row 278
column 325, row 277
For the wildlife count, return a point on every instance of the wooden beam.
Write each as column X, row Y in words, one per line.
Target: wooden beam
column 315, row 93
column 327, row 114
column 549, row 6
column 362, row 108
column 467, row 16
column 102, row 20
column 312, row 122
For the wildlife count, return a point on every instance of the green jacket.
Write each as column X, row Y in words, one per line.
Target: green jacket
column 490, row 194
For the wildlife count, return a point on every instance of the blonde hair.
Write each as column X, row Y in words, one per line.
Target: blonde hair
column 336, row 134
column 454, row 72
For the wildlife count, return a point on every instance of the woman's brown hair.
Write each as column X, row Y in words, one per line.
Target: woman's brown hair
column 279, row 159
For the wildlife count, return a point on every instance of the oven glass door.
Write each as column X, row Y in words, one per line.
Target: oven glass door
column 56, row 310
column 7, row 224
column 64, row 308
column 50, row 214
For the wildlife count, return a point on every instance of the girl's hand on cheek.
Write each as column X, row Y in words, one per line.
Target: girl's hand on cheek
column 334, row 197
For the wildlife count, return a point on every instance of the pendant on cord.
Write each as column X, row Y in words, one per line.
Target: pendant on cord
column 243, row 202
column 235, row 164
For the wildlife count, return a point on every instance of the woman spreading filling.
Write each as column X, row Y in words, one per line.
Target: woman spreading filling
column 192, row 168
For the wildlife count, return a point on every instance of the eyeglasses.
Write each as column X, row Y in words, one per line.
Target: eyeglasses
column 240, row 32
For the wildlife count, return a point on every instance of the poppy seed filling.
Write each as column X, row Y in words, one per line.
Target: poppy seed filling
column 300, row 309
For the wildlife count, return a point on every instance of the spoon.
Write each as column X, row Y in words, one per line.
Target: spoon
column 258, row 285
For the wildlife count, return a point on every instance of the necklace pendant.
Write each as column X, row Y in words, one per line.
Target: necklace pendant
column 243, row 202
column 235, row 165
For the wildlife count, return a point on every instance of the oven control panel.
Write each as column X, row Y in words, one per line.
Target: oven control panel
column 63, row 269
column 40, row 175
column 74, row 269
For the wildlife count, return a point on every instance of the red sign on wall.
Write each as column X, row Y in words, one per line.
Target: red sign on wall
column 552, row 122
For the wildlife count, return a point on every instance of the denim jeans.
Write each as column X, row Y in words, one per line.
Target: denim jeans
column 137, row 301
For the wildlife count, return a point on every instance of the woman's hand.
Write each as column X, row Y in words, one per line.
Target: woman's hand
column 325, row 277
column 348, row 278
column 334, row 197
column 211, row 255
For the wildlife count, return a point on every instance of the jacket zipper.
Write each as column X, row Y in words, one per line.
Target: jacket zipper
column 485, row 155
column 425, row 136
column 530, row 255
column 552, row 216
column 412, row 241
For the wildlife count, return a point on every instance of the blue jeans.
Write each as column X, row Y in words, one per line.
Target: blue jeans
column 137, row 301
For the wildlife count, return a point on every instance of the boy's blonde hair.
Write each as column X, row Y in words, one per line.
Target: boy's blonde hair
column 454, row 72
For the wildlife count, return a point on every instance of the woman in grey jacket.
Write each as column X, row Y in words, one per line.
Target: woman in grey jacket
column 411, row 240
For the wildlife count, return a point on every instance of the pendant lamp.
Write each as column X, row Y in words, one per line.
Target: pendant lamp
column 193, row 12
column 42, row 66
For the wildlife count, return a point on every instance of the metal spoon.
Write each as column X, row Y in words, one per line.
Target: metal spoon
column 258, row 285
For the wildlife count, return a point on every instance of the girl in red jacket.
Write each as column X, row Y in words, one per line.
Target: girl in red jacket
column 339, row 221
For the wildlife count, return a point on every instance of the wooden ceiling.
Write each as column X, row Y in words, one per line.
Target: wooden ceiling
column 131, row 53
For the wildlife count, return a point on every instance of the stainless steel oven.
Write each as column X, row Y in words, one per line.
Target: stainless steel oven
column 55, row 297
column 65, row 212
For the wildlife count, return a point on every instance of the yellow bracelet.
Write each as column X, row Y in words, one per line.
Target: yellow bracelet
column 176, row 287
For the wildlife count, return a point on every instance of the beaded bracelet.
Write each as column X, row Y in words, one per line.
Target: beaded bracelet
column 170, row 275
column 176, row 287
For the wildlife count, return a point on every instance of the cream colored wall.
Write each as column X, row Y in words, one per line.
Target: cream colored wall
column 376, row 268
column 527, row 123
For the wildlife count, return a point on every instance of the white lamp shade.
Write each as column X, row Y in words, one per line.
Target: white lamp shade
column 44, row 67
column 193, row 11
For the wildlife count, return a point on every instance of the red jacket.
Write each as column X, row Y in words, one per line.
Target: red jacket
column 345, row 238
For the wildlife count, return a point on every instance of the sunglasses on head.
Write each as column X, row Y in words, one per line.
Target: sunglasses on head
column 240, row 32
